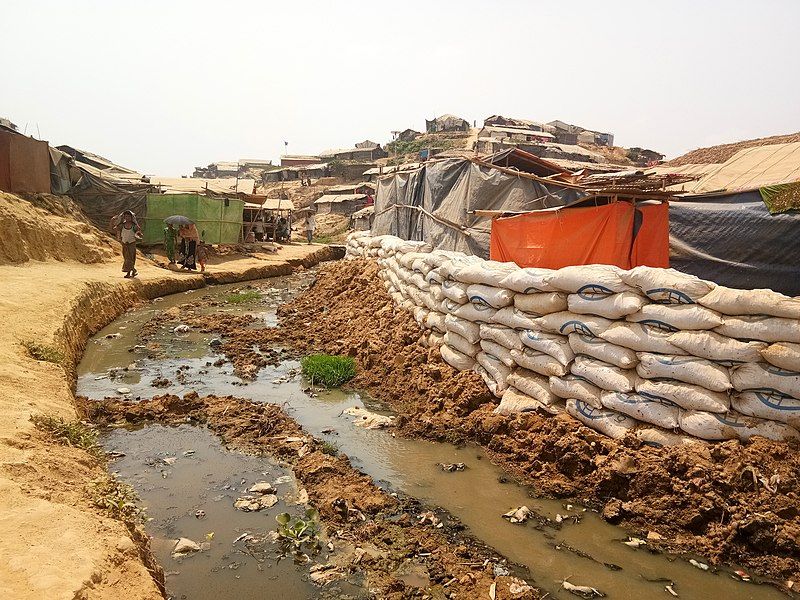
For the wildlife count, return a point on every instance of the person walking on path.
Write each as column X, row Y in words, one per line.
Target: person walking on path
column 311, row 223
column 169, row 242
column 128, row 232
column 189, row 238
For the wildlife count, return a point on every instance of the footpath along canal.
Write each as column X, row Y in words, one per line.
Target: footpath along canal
column 189, row 481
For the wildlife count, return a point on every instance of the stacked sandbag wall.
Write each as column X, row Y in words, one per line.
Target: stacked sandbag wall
column 664, row 355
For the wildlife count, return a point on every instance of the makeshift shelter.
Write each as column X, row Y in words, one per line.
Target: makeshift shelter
column 268, row 211
column 219, row 220
column 24, row 163
column 625, row 234
column 344, row 204
column 362, row 219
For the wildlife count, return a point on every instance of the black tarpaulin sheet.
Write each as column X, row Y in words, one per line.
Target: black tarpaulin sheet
column 434, row 203
column 101, row 200
column 734, row 241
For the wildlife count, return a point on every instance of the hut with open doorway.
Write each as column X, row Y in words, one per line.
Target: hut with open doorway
column 343, row 204
column 262, row 218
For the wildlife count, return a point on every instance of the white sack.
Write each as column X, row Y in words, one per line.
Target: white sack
column 505, row 336
column 420, row 315
column 495, row 350
column 604, row 375
column 514, row 401
column 667, row 286
column 486, row 295
column 457, row 360
column 407, row 260
column 690, row 369
column 653, row 436
column 407, row 305
column 654, row 411
column 466, row 329
column 448, row 268
column 598, row 348
column 763, row 376
column 732, row 425
column 487, row 272
column 496, row 369
column 685, row 395
column 641, row 337
column 677, row 316
column 615, row 306
column 608, row 422
column 472, row 312
column 566, row 322
column 419, row 281
column 461, row 344
column 433, row 276
column 434, row 340
column 553, row 344
column 437, row 258
column 449, row 306
column 768, row 405
column 572, row 386
column 713, row 346
column 534, row 385
column 515, row 318
column 457, row 292
column 436, row 293
column 751, row 302
column 766, row 329
column 542, row 303
column 529, row 280
column 420, row 266
column 539, row 362
column 783, row 355
column 595, row 280
column 494, row 386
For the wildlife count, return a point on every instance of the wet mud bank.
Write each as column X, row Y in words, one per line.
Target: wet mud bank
column 400, row 547
column 729, row 502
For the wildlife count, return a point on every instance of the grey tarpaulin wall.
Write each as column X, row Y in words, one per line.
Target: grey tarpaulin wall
column 447, row 191
column 734, row 241
column 101, row 200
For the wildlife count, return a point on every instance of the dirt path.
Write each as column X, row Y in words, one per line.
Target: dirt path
column 55, row 543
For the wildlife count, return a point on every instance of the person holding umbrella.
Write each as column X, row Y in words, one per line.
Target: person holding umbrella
column 128, row 232
column 187, row 232
column 169, row 242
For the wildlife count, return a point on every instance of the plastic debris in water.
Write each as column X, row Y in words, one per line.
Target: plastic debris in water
column 698, row 564
column 634, row 542
column 584, row 591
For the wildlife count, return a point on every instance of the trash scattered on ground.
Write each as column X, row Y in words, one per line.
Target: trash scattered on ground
column 450, row 467
column 634, row 542
column 181, row 330
column 255, row 503
column 184, row 547
column 123, row 391
column 518, row 515
column 584, row 591
column 698, row 564
column 200, row 514
column 367, row 419
column 670, row 589
column 325, row 574
column 262, row 487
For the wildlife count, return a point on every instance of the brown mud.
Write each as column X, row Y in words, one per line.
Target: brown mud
column 380, row 534
column 729, row 502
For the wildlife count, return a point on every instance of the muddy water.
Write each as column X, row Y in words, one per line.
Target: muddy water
column 476, row 495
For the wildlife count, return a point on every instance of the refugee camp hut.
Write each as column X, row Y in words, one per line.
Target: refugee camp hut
column 267, row 211
column 371, row 153
column 24, row 163
column 493, row 138
column 446, row 123
column 365, row 187
column 407, row 135
column 298, row 160
column 343, row 204
column 362, row 219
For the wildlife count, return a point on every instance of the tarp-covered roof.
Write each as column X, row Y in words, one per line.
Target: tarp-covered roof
column 517, row 131
column 271, row 204
column 339, row 198
column 350, row 186
column 224, row 185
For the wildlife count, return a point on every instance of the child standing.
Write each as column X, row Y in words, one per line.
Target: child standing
column 202, row 255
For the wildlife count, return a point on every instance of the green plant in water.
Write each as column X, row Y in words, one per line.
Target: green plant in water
column 299, row 531
column 69, row 433
column 118, row 499
column 330, row 448
column 244, row 297
column 327, row 370
column 44, row 352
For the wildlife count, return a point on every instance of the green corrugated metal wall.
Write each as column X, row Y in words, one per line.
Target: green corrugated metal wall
column 218, row 221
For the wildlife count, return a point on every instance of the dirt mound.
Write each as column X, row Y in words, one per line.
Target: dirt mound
column 45, row 227
column 721, row 153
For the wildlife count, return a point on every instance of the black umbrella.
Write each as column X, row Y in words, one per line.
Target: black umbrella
column 178, row 220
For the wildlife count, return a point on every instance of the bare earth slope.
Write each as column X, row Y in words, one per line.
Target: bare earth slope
column 721, row 153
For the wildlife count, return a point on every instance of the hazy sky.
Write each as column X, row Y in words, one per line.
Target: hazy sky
column 165, row 86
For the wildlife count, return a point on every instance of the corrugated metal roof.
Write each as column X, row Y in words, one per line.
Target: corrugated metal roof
column 223, row 185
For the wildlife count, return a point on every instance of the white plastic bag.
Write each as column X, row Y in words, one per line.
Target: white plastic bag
column 598, row 348
column 685, row 395
column 677, row 316
column 783, row 355
column 572, row 386
column 641, row 337
column 653, row 436
column 495, row 350
column 487, row 272
column 731, row 426
column 454, row 358
column 498, row 371
column 514, row 401
column 471, row 312
column 608, row 422
column 434, row 340
column 461, row 344
column 716, row 347
column 534, row 385
column 766, row 329
column 690, row 369
column 457, row 292
column 667, row 286
column 614, row 306
column 763, row 376
column 435, row 322
column 553, row 344
column 650, row 410
column 505, row 336
column 566, row 322
column 529, row 280
column 494, row 387
column 487, row 295
column 596, row 280
column 466, row 329
column 768, row 405
column 448, row 268
column 539, row 362
column 514, row 318
column 751, row 302
column 603, row 375
column 542, row 303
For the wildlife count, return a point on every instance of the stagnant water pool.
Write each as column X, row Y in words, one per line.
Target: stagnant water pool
column 478, row 495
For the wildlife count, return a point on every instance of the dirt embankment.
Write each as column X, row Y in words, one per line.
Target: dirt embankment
column 393, row 534
column 727, row 501
column 721, row 153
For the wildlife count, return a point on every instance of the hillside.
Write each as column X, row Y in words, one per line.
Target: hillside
column 721, row 153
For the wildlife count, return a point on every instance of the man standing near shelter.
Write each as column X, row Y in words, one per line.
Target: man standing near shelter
column 311, row 223
column 128, row 232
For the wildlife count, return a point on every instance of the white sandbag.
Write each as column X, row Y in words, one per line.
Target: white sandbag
column 407, row 246
column 534, row 385
column 566, row 322
column 667, row 286
column 677, row 317
column 434, row 340
column 435, row 322
column 690, row 369
column 475, row 313
column 650, row 410
column 457, row 360
column 397, row 297
column 716, row 347
column 419, row 281
column 420, row 266
column 407, row 260
column 768, row 405
column 430, row 302
column 732, row 425
column 495, row 368
column 494, row 386
column 598, row 348
column 653, row 436
column 449, row 306
column 685, row 395
column 751, row 302
column 763, row 376
column 448, row 268
column 766, row 329
column 538, row 362
column 615, row 306
column 487, row 272
column 437, row 258
column 514, row 318
column 572, row 386
column 514, row 401
column 505, row 336
column 495, row 350
column 420, row 315
column 553, row 344
column 641, row 337
column 457, row 292
column 487, row 295
column 452, row 339
column 467, row 329
column 354, row 235
column 597, row 280
column 608, row 422
column 416, row 295
column 433, row 276
column 529, row 280
column 603, row 375
column 407, row 305
column 784, row 355
column 436, row 292
column 542, row 303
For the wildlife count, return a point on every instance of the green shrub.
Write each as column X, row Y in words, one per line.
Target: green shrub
column 327, row 370
column 69, row 433
column 44, row 352
column 243, row 297
column 330, row 448
column 118, row 499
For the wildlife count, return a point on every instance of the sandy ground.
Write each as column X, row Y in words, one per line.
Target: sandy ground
column 55, row 543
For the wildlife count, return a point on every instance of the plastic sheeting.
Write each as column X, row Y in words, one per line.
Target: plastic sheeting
column 613, row 234
column 101, row 200
column 734, row 241
column 219, row 221
column 24, row 163
column 434, row 203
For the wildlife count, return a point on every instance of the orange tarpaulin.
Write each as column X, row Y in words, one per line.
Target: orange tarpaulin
column 615, row 234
